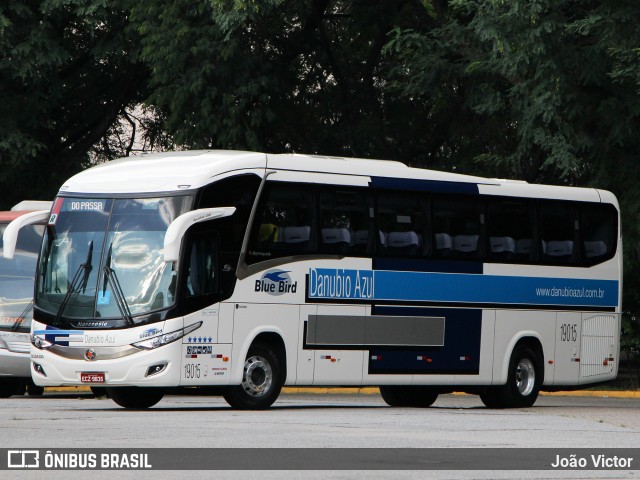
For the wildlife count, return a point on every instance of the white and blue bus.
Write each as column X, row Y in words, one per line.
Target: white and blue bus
column 251, row 271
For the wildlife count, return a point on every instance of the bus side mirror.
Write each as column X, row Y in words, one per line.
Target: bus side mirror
column 177, row 229
column 10, row 235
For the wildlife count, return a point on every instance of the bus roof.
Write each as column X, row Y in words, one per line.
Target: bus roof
column 175, row 171
column 162, row 172
column 185, row 170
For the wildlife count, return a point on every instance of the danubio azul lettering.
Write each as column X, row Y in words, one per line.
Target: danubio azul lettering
column 341, row 284
column 410, row 286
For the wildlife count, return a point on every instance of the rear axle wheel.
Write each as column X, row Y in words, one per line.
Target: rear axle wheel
column 524, row 379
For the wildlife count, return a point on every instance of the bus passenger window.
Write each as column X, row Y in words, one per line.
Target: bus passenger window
column 298, row 235
column 444, row 243
column 598, row 229
column 403, row 223
column 336, row 239
column 456, row 226
column 284, row 224
column 346, row 221
column 509, row 226
column 268, row 233
column 557, row 226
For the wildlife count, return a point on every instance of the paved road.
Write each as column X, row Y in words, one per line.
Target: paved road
column 320, row 421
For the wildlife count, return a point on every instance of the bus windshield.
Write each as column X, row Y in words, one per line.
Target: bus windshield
column 102, row 258
column 16, row 279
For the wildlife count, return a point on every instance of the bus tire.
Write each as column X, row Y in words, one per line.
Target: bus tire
column 523, row 382
column 408, row 396
column 34, row 390
column 262, row 380
column 137, row 398
column 10, row 387
column 491, row 397
column 99, row 391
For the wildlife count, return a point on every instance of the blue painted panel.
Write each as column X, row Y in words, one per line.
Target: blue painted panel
column 424, row 185
column 473, row 289
column 459, row 355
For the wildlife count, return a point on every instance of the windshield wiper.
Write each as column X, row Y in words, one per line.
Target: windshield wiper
column 111, row 278
column 87, row 267
column 73, row 286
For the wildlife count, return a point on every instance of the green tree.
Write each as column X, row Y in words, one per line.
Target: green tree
column 68, row 68
column 533, row 79
column 280, row 75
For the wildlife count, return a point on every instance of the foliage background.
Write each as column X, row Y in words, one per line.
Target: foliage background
column 540, row 90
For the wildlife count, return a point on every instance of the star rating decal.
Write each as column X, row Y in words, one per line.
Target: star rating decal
column 199, row 339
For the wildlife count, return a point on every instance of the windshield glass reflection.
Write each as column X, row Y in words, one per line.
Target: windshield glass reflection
column 127, row 238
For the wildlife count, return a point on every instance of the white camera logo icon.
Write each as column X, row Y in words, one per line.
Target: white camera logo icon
column 23, row 459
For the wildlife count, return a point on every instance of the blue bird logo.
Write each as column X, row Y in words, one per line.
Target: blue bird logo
column 276, row 276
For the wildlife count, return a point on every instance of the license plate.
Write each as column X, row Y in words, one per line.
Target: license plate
column 92, row 377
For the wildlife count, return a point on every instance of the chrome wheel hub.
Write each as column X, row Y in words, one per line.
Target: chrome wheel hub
column 525, row 377
column 258, row 376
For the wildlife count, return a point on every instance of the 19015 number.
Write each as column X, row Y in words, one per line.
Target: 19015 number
column 192, row 370
column 568, row 332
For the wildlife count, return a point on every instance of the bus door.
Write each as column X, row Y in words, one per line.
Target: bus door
column 202, row 359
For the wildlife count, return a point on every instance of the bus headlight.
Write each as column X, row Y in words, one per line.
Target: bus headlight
column 166, row 338
column 40, row 343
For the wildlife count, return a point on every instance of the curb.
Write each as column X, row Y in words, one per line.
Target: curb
column 596, row 393
column 70, row 390
column 375, row 390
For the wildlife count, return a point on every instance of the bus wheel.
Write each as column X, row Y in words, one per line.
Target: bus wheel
column 409, row 396
column 137, row 398
column 10, row 387
column 261, row 380
column 99, row 391
column 523, row 382
column 34, row 390
column 491, row 397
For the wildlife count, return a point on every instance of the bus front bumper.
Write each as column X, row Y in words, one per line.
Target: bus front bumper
column 73, row 366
